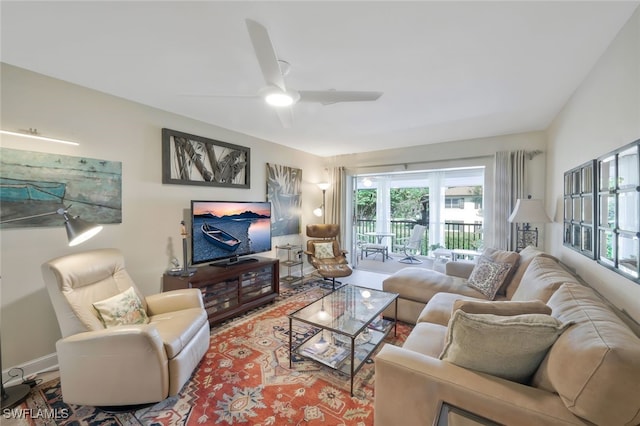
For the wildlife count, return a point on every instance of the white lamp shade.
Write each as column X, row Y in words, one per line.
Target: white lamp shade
column 529, row 211
column 324, row 185
column 79, row 231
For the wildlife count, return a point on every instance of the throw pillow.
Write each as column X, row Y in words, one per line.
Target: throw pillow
column 323, row 250
column 511, row 347
column 487, row 276
column 504, row 256
column 122, row 309
column 503, row 307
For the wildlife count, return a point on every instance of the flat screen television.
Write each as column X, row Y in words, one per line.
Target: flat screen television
column 224, row 231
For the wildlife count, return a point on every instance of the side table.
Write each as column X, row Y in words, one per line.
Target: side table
column 293, row 260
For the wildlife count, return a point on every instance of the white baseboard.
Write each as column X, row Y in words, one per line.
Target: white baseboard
column 30, row 368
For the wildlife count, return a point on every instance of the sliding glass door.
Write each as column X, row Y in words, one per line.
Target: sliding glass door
column 386, row 206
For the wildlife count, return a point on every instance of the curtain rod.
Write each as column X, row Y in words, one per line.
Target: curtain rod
column 528, row 154
column 407, row 164
column 531, row 154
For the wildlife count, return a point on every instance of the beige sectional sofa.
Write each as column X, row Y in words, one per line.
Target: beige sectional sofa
column 590, row 375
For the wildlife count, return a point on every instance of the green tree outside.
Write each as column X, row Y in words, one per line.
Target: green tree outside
column 406, row 203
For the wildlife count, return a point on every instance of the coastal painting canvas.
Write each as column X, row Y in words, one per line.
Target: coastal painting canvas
column 34, row 185
column 284, row 191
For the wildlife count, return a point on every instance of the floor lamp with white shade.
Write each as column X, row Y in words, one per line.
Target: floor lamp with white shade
column 78, row 231
column 322, row 210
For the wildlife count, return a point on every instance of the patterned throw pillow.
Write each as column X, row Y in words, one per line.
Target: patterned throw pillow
column 511, row 347
column 122, row 309
column 487, row 276
column 323, row 250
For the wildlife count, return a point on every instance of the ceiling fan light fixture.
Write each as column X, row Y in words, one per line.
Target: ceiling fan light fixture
column 279, row 98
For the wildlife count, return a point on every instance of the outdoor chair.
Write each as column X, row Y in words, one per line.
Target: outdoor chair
column 366, row 248
column 411, row 245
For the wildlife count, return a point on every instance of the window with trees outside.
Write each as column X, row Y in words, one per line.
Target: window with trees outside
column 448, row 202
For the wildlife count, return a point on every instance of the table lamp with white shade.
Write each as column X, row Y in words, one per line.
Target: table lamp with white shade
column 526, row 212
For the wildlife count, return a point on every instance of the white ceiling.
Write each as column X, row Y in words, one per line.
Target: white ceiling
column 448, row 70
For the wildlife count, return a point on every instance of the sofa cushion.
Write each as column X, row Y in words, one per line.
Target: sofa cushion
column 503, row 308
column 526, row 256
column 510, row 347
column 440, row 307
column 504, row 256
column 420, row 285
column 426, row 339
column 599, row 355
column 488, row 276
column 542, row 278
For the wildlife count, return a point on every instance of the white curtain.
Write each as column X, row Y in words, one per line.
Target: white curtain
column 509, row 185
column 335, row 213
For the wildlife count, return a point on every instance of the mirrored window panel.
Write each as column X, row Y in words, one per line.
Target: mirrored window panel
column 587, row 209
column 567, row 234
column 628, row 256
column 607, row 178
column 606, row 247
column 607, row 211
column 586, row 182
column 576, row 239
column 586, row 239
column 628, row 168
column 568, row 209
column 628, row 211
column 579, row 208
column 618, row 210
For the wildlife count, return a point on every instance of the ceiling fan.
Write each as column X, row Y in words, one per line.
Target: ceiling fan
column 276, row 92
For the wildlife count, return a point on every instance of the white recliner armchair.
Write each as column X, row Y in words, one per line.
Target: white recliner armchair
column 122, row 364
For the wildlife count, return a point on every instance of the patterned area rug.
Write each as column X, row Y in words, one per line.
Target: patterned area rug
column 243, row 378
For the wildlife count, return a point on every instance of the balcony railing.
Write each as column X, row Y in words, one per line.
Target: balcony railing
column 457, row 235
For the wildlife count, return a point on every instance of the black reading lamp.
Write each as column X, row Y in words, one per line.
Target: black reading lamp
column 78, row 231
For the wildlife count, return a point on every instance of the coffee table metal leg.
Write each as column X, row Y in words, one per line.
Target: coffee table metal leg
column 290, row 342
column 395, row 323
column 353, row 352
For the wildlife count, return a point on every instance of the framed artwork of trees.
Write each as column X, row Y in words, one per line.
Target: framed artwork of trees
column 195, row 160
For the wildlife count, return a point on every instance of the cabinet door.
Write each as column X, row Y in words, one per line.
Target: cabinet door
column 219, row 297
column 256, row 283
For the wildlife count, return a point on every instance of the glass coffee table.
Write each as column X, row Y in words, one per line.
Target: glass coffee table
column 347, row 327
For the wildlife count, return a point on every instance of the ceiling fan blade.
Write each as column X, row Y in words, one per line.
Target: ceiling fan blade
column 285, row 114
column 219, row 95
column 266, row 54
column 327, row 97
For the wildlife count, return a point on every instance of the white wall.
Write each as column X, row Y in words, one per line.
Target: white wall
column 602, row 115
column 112, row 129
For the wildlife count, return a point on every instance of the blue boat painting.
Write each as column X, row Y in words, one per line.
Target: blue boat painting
column 12, row 190
column 35, row 183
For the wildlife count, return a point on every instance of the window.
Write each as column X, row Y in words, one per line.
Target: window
column 447, row 201
column 453, row 203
